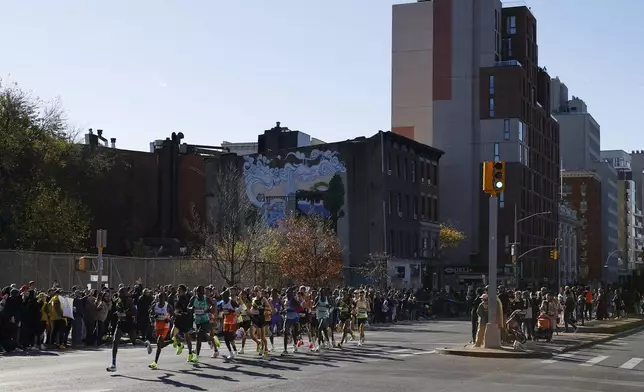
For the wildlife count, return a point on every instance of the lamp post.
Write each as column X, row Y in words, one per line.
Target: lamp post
column 515, row 243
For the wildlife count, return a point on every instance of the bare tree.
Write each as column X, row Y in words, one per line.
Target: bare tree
column 231, row 235
column 376, row 269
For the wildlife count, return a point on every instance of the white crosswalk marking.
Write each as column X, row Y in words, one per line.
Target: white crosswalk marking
column 631, row 363
column 557, row 358
column 594, row 361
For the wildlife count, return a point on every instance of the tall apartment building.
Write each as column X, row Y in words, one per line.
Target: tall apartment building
column 466, row 79
column 582, row 193
column 580, row 151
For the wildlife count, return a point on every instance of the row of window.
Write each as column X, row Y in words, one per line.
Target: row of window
column 424, row 207
column 412, row 170
column 409, row 244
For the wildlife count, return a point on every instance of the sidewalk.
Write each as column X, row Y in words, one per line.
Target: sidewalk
column 594, row 332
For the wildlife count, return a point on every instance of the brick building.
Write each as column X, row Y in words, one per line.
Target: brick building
column 582, row 193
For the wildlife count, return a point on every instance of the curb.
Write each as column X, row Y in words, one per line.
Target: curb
column 498, row 355
column 626, row 332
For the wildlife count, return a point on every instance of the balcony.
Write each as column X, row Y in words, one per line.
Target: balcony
column 508, row 63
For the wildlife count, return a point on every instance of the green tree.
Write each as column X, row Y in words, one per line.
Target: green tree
column 333, row 200
column 42, row 172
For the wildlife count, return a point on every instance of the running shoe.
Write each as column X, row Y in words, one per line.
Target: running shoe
column 179, row 348
column 153, row 366
column 148, row 347
column 111, row 368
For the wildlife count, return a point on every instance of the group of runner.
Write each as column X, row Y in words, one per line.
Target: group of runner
column 205, row 316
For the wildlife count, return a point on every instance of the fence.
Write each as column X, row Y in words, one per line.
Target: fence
column 44, row 269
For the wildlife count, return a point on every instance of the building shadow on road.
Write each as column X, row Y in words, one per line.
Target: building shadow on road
column 165, row 379
column 238, row 369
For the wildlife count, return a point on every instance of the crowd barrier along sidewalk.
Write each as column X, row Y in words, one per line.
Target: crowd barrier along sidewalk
column 594, row 332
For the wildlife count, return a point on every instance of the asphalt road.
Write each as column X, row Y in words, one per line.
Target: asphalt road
column 397, row 358
column 371, row 367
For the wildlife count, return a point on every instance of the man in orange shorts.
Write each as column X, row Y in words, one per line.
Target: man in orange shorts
column 160, row 312
column 229, row 311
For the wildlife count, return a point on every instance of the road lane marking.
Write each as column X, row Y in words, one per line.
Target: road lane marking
column 425, row 352
column 594, row 361
column 402, row 350
column 631, row 363
column 558, row 358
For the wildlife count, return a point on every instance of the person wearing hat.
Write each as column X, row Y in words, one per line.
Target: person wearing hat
column 482, row 313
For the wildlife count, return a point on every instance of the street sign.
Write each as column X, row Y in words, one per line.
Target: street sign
column 94, row 278
column 101, row 239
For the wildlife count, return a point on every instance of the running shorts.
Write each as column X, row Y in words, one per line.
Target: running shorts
column 324, row 323
column 259, row 321
column 161, row 328
column 245, row 325
column 290, row 322
column 362, row 320
column 230, row 328
column 183, row 323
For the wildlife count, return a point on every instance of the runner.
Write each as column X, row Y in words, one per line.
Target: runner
column 200, row 306
column 292, row 320
column 244, row 320
column 228, row 310
column 345, row 305
column 260, row 306
column 322, row 309
column 160, row 314
column 126, row 315
column 276, row 323
column 182, row 321
column 363, row 308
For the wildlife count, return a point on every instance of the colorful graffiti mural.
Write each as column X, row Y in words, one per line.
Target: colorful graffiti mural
column 310, row 184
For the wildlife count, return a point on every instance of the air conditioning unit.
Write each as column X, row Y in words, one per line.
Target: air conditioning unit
column 400, row 214
column 429, row 182
column 415, row 216
column 389, row 171
column 415, row 254
column 422, row 180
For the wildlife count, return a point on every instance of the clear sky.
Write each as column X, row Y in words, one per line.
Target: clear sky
column 228, row 69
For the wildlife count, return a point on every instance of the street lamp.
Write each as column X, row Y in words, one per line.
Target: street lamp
column 515, row 243
column 609, row 255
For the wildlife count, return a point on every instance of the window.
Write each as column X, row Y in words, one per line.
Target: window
column 491, row 106
column 583, row 189
column 506, row 129
column 491, row 84
column 583, row 206
column 398, row 167
column 389, row 163
column 405, row 169
column 509, row 47
column 398, row 202
column 390, row 201
column 435, row 209
column 511, row 25
column 407, row 206
column 502, row 200
column 520, row 132
column 413, row 171
column 415, row 202
column 392, row 242
column 497, row 153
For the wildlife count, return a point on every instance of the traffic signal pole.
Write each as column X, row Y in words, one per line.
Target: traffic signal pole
column 492, row 331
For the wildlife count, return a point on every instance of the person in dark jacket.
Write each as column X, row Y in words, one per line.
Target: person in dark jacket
column 475, row 318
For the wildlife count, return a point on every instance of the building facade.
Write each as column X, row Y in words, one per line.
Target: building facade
column 568, row 246
column 465, row 78
column 582, row 193
column 381, row 193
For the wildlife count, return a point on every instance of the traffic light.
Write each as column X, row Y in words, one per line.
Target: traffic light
column 554, row 254
column 493, row 177
column 81, row 266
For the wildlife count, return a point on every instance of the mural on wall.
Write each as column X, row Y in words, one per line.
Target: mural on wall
column 310, row 184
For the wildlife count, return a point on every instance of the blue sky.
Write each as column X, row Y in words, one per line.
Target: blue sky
column 226, row 70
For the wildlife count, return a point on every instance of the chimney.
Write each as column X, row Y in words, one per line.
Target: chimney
column 100, row 136
column 113, row 141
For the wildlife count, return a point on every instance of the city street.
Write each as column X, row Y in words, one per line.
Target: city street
column 394, row 358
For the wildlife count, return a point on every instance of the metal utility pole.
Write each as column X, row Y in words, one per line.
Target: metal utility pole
column 493, row 185
column 515, row 244
column 101, row 242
